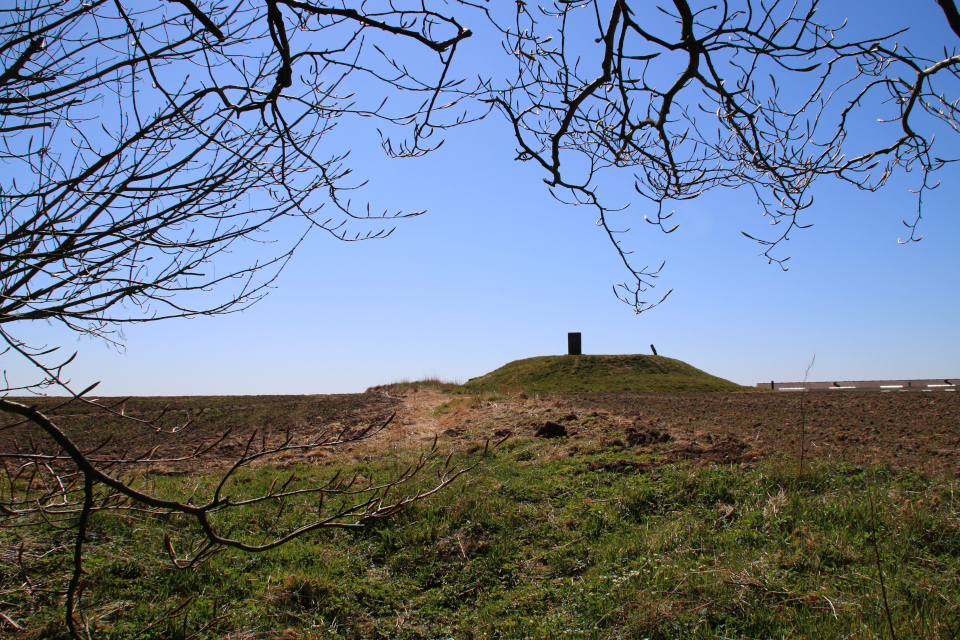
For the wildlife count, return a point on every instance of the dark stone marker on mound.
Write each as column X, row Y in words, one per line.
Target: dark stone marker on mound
column 551, row 429
column 573, row 344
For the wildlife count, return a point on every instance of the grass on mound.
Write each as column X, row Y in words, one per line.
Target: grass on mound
column 631, row 373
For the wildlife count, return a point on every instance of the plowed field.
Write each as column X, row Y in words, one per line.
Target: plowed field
column 910, row 430
column 175, row 428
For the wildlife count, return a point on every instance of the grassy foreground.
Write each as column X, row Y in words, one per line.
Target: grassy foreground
column 632, row 373
column 540, row 544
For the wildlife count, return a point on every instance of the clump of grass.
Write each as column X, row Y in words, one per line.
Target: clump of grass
column 438, row 383
column 430, row 382
column 476, row 400
column 297, row 592
column 450, row 407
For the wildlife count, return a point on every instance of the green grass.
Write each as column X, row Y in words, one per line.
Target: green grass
column 534, row 545
column 431, row 382
column 631, row 373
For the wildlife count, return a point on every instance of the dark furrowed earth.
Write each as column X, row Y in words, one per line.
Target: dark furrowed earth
column 915, row 430
column 174, row 428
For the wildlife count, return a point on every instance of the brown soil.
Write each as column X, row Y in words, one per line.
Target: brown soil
column 913, row 430
column 173, row 430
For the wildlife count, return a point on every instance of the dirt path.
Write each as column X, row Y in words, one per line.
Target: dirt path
column 415, row 419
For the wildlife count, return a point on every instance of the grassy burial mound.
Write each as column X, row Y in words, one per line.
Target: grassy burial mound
column 632, row 373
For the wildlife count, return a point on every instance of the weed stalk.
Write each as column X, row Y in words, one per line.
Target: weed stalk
column 803, row 421
column 876, row 553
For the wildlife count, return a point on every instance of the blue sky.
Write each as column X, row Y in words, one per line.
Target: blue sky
column 497, row 270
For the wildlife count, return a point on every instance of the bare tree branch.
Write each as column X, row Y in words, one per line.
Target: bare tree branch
column 691, row 96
